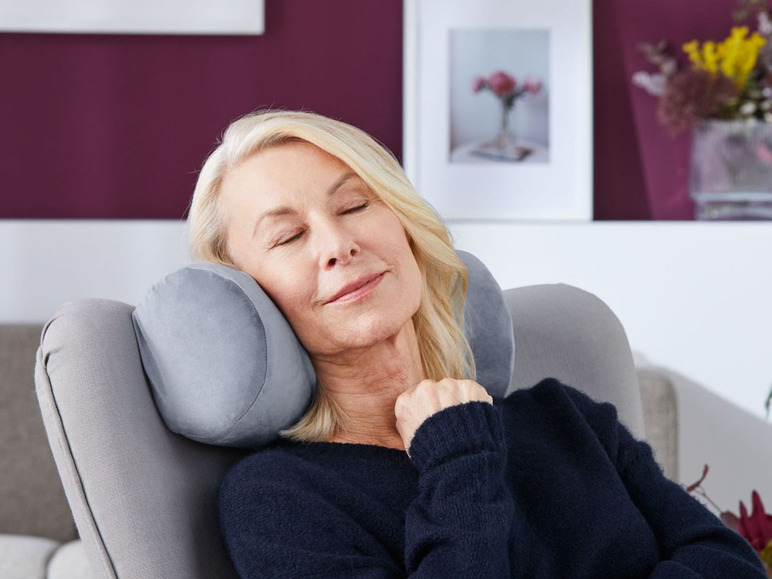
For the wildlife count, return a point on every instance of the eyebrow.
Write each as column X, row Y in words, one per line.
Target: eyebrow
column 280, row 211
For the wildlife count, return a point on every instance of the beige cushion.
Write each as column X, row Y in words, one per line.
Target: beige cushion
column 70, row 562
column 24, row 557
column 660, row 417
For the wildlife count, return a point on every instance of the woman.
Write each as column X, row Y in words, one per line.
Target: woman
column 404, row 465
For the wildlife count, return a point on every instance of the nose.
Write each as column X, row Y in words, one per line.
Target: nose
column 335, row 246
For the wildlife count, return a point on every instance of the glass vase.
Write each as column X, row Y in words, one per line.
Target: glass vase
column 505, row 140
column 503, row 147
column 731, row 170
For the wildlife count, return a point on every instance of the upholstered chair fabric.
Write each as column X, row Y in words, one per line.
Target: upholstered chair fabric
column 567, row 333
column 143, row 498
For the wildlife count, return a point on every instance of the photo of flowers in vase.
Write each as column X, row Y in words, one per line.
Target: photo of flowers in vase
column 499, row 110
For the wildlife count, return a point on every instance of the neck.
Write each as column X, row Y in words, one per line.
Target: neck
column 365, row 384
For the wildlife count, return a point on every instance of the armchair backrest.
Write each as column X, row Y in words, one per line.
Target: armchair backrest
column 567, row 333
column 143, row 498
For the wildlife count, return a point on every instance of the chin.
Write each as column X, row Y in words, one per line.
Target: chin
column 366, row 331
column 368, row 336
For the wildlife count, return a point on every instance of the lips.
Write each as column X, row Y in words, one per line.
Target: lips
column 356, row 289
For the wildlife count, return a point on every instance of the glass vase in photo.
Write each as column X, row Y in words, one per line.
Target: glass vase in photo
column 731, row 170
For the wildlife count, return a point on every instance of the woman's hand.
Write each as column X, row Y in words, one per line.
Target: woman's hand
column 429, row 397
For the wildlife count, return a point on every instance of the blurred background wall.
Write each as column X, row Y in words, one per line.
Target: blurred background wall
column 115, row 126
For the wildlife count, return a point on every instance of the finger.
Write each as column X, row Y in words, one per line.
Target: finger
column 467, row 390
column 447, row 387
column 474, row 392
column 411, row 392
column 463, row 390
column 447, row 397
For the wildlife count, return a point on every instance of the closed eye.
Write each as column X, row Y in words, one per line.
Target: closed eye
column 356, row 208
column 290, row 239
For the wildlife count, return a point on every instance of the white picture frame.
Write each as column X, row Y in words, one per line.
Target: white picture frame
column 448, row 44
column 205, row 17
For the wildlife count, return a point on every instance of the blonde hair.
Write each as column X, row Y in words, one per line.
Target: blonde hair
column 438, row 322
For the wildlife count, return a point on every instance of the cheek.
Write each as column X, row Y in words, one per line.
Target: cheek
column 416, row 285
column 400, row 246
column 291, row 305
column 288, row 290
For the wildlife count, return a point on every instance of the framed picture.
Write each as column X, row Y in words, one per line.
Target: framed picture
column 245, row 17
column 498, row 107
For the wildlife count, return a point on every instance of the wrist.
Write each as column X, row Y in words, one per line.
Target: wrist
column 463, row 429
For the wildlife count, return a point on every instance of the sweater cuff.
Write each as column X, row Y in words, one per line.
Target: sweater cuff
column 459, row 430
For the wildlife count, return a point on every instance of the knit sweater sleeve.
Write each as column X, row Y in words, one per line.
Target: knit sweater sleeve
column 693, row 542
column 460, row 522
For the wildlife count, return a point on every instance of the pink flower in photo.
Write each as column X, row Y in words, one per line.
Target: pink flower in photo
column 532, row 85
column 505, row 87
column 502, row 83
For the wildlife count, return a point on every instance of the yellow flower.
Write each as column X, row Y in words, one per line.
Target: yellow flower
column 693, row 50
column 766, row 554
column 710, row 57
column 735, row 57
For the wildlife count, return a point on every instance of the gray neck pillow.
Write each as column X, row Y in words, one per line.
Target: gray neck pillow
column 225, row 367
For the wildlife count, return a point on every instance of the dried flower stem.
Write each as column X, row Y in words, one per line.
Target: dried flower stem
column 696, row 488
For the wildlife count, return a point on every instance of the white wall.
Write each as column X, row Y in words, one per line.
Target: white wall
column 46, row 263
column 695, row 297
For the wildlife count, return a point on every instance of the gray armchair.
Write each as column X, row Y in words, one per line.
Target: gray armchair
column 143, row 498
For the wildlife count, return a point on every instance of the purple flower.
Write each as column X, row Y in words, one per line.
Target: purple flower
column 693, row 95
column 757, row 528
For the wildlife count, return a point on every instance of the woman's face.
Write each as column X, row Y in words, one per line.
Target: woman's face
column 333, row 258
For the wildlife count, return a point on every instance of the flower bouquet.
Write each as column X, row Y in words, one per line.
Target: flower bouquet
column 507, row 89
column 724, row 95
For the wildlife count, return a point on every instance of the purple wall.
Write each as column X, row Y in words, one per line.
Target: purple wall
column 117, row 126
column 102, row 126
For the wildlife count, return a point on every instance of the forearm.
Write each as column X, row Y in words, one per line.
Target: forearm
column 693, row 542
column 460, row 522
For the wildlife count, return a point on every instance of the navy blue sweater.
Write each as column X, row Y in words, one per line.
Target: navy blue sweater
column 545, row 483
